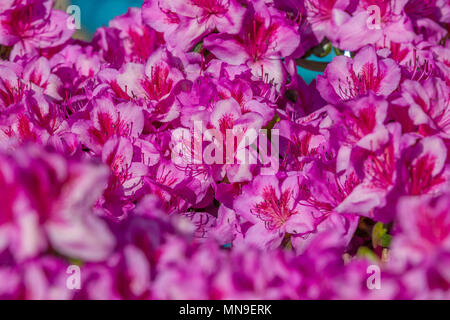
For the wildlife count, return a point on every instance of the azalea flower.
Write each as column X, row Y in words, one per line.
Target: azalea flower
column 428, row 106
column 50, row 205
column 33, row 24
column 346, row 78
column 325, row 15
column 181, row 154
column 272, row 209
column 365, row 26
column 261, row 44
column 184, row 24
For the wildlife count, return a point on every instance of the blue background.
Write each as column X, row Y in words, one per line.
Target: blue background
column 96, row 13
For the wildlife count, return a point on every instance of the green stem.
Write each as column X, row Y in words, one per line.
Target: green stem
column 312, row 65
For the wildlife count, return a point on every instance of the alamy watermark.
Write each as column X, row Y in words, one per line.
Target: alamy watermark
column 374, row 279
column 374, row 19
column 73, row 281
column 74, row 20
column 227, row 147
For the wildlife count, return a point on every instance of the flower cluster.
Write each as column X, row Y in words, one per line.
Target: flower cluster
column 180, row 155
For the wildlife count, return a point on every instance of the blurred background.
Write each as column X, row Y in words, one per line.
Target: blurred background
column 97, row 13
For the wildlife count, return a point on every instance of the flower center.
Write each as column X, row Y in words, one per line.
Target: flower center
column 274, row 211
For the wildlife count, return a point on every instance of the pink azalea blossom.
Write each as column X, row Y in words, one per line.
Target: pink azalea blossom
column 346, row 78
column 272, row 209
column 360, row 122
column 140, row 40
column 363, row 28
column 422, row 246
column 378, row 169
column 428, row 105
column 325, row 15
column 106, row 121
column 25, row 25
column 181, row 154
column 156, row 84
column 184, row 24
column 261, row 44
column 424, row 166
column 50, row 204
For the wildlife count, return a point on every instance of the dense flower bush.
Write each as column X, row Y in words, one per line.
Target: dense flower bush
column 102, row 165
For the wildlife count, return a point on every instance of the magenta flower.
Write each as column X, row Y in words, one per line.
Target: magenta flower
column 303, row 144
column 126, row 178
column 181, row 154
column 420, row 250
column 325, row 15
column 428, row 106
column 140, row 41
column 424, row 166
column 37, row 75
column 31, row 24
column 37, row 279
column 228, row 120
column 378, row 170
column 106, row 121
column 12, row 89
column 261, row 44
column 156, row 84
column 49, row 204
column 426, row 17
column 272, row 209
column 346, row 79
column 364, row 27
column 184, row 24
column 360, row 122
column 323, row 188
column 425, row 227
column 442, row 62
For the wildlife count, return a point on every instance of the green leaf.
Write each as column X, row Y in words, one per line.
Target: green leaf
column 198, row 47
column 380, row 236
column 322, row 50
column 338, row 51
column 386, row 240
column 365, row 252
